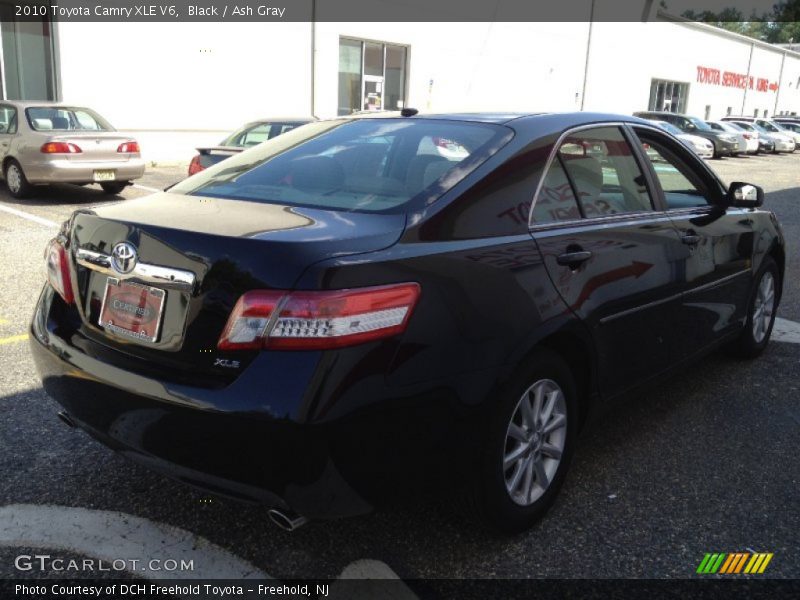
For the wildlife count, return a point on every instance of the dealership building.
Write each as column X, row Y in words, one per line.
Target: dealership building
column 179, row 85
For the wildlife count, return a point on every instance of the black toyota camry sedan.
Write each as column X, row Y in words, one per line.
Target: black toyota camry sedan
column 368, row 304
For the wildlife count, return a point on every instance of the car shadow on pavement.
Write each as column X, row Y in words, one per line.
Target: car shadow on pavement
column 646, row 477
column 58, row 194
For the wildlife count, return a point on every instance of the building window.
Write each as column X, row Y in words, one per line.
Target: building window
column 755, row 113
column 708, row 112
column 729, row 112
column 766, row 113
column 668, row 95
column 26, row 72
column 372, row 76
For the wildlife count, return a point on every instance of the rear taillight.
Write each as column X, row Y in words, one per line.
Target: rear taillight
column 318, row 320
column 195, row 166
column 128, row 148
column 58, row 270
column 60, row 148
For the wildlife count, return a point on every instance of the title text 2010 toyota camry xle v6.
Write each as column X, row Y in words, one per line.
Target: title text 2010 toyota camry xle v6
column 342, row 310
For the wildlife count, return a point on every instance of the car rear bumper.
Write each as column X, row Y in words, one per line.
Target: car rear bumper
column 62, row 170
column 253, row 439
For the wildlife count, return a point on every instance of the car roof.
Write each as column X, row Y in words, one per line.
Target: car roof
column 554, row 119
column 45, row 103
column 664, row 113
column 279, row 121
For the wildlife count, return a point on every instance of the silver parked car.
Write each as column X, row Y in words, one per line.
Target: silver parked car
column 46, row 142
column 747, row 143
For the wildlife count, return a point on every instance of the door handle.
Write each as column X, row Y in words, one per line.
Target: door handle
column 573, row 259
column 690, row 239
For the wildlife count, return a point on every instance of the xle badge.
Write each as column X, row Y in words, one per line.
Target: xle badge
column 228, row 364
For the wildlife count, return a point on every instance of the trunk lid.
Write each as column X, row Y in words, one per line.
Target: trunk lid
column 227, row 247
column 95, row 145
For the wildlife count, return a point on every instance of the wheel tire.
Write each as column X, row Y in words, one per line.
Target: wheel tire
column 491, row 500
column 16, row 181
column 760, row 312
column 114, row 187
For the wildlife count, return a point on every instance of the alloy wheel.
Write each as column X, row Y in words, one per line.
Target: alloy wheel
column 13, row 179
column 535, row 441
column 763, row 307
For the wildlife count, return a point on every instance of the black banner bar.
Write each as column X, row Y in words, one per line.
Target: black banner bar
column 443, row 11
column 733, row 588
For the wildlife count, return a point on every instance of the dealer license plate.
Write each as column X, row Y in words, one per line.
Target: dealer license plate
column 105, row 175
column 132, row 310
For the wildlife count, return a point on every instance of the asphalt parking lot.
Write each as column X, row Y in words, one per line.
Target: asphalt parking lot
column 705, row 463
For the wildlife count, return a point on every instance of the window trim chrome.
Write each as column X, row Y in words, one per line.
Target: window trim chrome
column 165, row 277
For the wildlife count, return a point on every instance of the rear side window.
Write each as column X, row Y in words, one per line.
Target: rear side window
column 8, row 119
column 556, row 200
column 58, row 118
column 368, row 165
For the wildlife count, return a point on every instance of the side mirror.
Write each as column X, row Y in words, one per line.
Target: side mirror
column 745, row 195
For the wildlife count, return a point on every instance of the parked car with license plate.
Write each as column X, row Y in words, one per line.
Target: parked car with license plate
column 247, row 136
column 44, row 143
column 342, row 314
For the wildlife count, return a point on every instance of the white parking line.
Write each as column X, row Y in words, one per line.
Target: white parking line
column 146, row 188
column 785, row 330
column 111, row 535
column 29, row 216
column 373, row 570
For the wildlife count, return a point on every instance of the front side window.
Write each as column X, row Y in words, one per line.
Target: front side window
column 683, row 187
column 364, row 165
column 59, row 118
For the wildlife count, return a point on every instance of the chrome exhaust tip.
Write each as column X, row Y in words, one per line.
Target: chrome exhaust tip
column 286, row 520
column 65, row 418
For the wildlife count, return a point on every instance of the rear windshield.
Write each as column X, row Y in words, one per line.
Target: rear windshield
column 253, row 134
column 365, row 165
column 701, row 125
column 64, row 118
column 669, row 127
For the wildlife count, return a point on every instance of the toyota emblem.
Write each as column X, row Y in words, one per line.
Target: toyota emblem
column 123, row 257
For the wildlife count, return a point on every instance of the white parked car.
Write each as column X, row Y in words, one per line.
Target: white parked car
column 701, row 146
column 784, row 139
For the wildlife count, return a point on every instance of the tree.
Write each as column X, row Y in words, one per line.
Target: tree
column 780, row 25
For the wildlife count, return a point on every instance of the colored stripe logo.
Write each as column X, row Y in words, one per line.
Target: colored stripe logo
column 734, row 563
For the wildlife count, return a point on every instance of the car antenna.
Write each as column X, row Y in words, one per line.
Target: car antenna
column 408, row 112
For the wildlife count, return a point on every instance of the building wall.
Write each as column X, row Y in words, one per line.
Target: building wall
column 177, row 86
